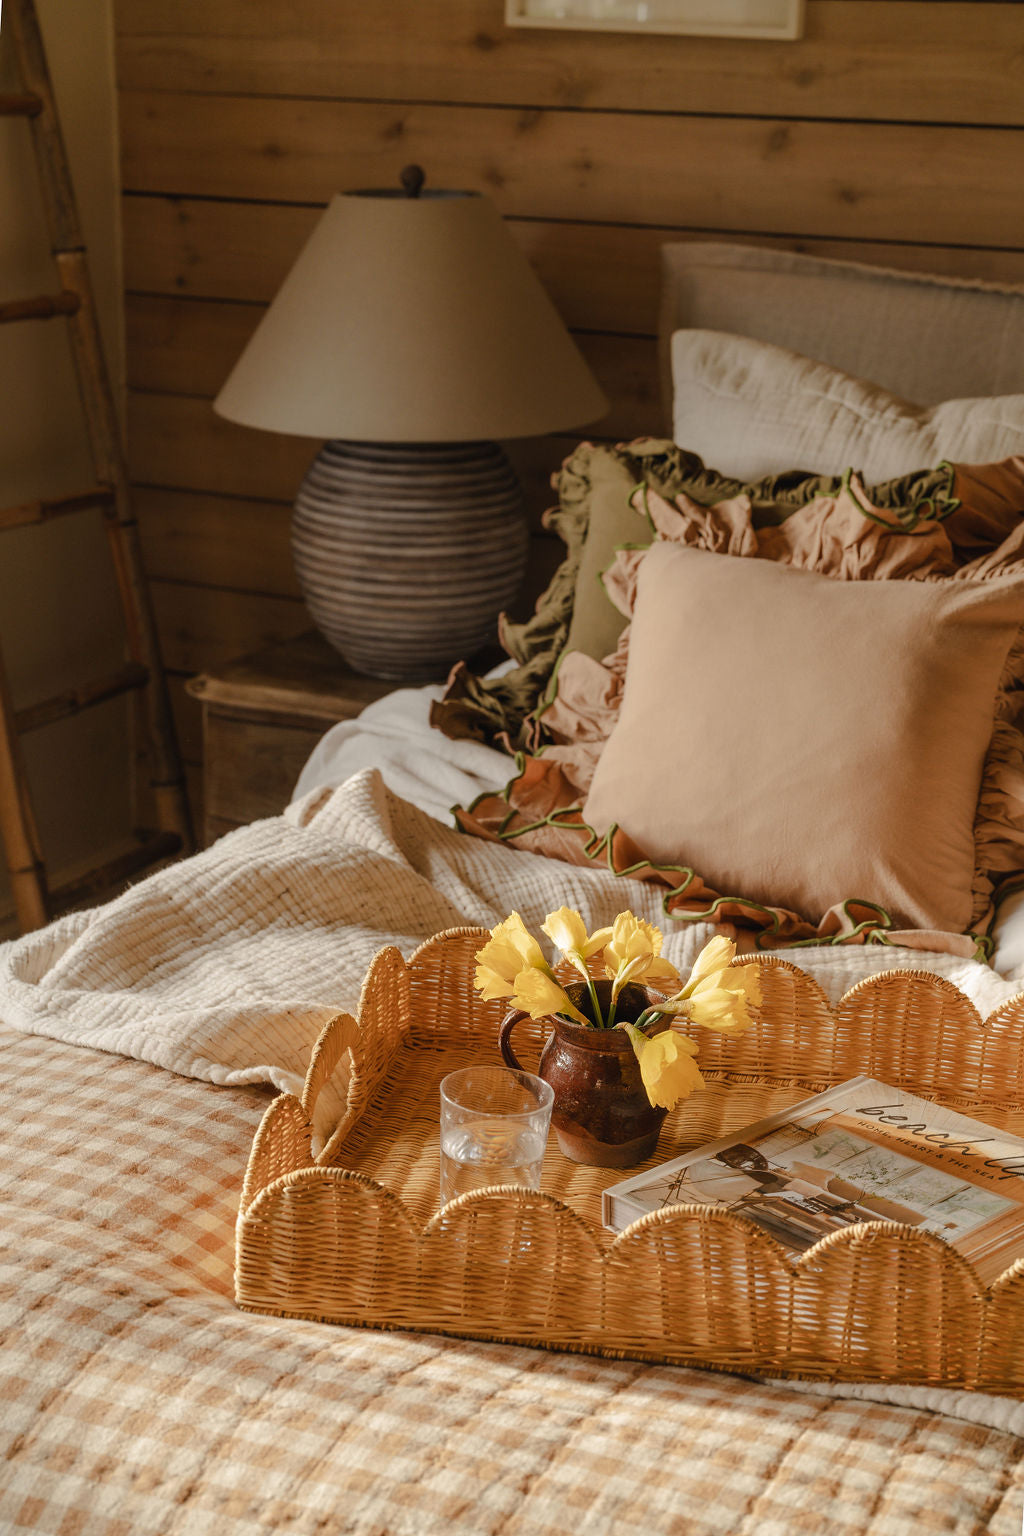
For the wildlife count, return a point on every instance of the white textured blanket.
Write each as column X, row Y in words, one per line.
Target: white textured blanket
column 225, row 967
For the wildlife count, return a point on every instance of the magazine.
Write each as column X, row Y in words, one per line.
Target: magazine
column 859, row 1152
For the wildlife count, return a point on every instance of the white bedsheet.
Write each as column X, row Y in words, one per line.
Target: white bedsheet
column 415, row 761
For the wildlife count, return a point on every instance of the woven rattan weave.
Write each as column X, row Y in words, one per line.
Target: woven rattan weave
column 351, row 1234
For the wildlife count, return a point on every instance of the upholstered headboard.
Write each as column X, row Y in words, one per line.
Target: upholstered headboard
column 922, row 337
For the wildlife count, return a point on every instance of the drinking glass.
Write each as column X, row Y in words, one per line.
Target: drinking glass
column 494, row 1126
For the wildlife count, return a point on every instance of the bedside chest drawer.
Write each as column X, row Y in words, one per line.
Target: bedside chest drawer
column 262, row 716
column 251, row 765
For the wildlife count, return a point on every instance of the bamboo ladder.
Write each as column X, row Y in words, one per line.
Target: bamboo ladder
column 35, row 901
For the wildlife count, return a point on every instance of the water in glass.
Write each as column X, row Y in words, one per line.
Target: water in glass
column 491, row 1150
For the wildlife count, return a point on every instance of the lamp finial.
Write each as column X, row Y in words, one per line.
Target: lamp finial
column 412, row 179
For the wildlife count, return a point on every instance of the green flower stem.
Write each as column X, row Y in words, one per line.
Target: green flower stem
column 648, row 1017
column 595, row 1004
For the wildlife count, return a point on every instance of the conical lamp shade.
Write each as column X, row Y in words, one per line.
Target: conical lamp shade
column 411, row 319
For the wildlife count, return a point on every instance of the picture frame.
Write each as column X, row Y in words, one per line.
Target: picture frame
column 779, row 20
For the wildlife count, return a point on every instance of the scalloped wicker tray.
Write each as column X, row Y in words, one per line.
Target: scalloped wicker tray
column 352, row 1234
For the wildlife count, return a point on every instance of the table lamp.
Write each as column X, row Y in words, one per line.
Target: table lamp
column 410, row 333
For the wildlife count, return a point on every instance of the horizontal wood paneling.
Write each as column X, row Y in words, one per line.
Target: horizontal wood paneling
column 185, row 346
column 207, row 626
column 602, row 277
column 176, row 440
column 892, row 133
column 958, row 62
column 864, row 180
column 217, row 540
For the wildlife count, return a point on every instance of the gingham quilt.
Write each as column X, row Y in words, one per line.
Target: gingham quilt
column 135, row 1400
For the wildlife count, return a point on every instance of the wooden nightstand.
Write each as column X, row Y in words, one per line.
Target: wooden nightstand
column 262, row 716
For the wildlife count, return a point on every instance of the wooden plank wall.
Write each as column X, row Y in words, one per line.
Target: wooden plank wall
column 893, row 132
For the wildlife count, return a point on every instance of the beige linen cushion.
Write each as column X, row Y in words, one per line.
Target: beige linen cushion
column 759, row 409
column 802, row 740
column 923, row 336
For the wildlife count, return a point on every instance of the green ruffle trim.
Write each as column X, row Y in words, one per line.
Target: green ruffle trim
column 857, row 921
column 865, row 921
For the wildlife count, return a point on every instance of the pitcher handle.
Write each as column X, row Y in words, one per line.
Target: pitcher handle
column 508, row 1025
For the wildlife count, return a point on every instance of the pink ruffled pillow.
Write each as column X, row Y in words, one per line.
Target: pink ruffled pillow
column 978, row 535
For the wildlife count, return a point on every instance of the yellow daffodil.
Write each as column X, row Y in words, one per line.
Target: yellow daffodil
column 510, row 949
column 667, row 1066
column 539, row 995
column 715, row 956
column 721, row 1000
column 633, row 954
column 717, row 995
column 721, row 1010
column 567, row 930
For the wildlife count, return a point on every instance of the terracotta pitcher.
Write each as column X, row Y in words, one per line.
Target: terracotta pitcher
column 601, row 1113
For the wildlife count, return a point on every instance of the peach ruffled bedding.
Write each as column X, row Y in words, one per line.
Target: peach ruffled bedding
column 972, row 531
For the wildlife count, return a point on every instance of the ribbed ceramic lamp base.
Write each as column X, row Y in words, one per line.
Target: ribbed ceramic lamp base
column 407, row 552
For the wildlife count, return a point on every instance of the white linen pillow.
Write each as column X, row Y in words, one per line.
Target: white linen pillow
column 750, row 409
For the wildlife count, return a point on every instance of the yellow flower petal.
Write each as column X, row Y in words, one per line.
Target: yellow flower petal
column 505, row 954
column 720, row 1008
column 748, row 978
column 671, row 1007
column 668, row 1069
column 634, row 953
column 710, row 996
column 715, row 956
column 598, row 939
column 629, row 970
column 632, row 938
column 661, row 970
column 745, row 979
column 492, row 983
column 540, row 995
column 566, row 929
column 515, row 932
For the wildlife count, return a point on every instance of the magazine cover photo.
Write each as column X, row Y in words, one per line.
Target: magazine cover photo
column 860, row 1152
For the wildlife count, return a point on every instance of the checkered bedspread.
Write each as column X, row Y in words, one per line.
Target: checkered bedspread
column 135, row 1400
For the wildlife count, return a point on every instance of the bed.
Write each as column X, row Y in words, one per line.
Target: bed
column 142, row 1043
